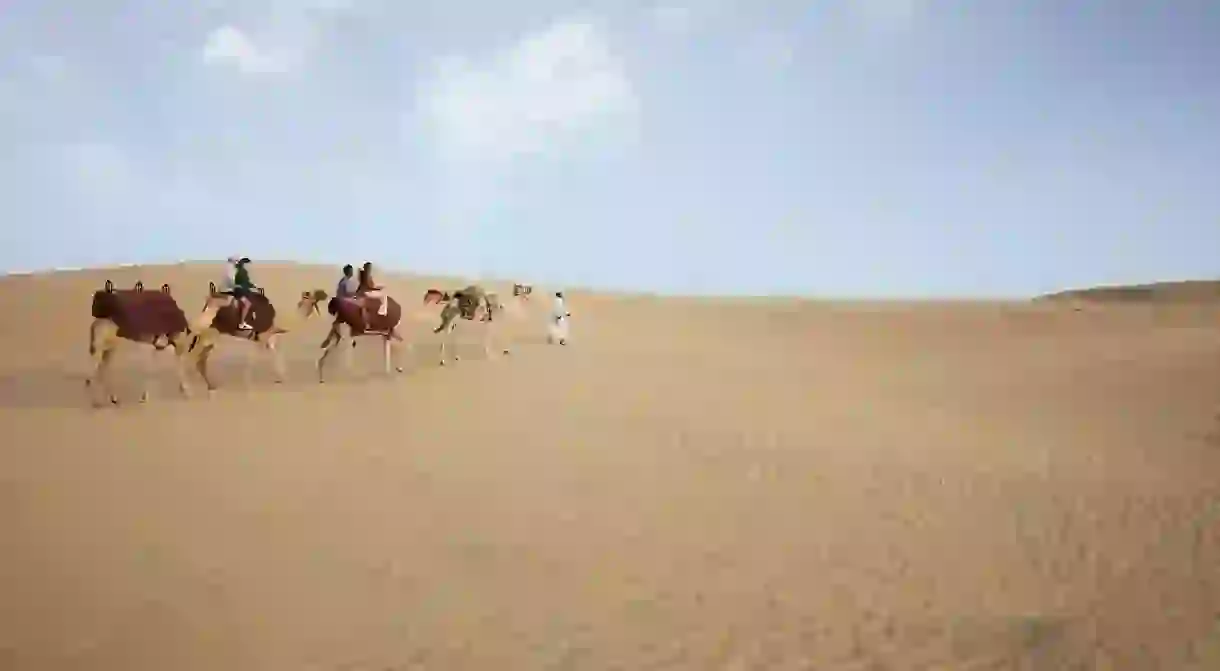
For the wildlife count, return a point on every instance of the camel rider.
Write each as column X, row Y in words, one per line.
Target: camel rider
column 242, row 288
column 370, row 289
column 348, row 285
column 226, row 283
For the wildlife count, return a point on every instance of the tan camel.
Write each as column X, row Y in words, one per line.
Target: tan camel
column 471, row 304
column 519, row 304
column 267, row 327
column 146, row 318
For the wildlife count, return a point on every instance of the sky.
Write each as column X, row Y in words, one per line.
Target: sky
column 854, row 148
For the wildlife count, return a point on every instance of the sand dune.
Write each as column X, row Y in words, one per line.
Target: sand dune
column 691, row 484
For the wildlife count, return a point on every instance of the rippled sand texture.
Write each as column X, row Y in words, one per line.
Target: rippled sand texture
column 691, row 484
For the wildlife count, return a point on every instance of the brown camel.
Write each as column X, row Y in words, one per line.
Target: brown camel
column 360, row 316
column 144, row 317
column 469, row 304
column 267, row 327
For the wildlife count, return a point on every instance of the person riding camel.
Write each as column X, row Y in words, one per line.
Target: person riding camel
column 242, row 288
column 348, row 285
column 370, row 289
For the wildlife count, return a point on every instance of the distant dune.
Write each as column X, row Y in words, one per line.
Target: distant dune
column 1190, row 291
column 704, row 484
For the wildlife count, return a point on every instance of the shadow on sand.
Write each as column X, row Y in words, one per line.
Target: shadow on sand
column 64, row 387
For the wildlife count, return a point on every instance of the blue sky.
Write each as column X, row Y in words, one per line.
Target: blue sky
column 837, row 147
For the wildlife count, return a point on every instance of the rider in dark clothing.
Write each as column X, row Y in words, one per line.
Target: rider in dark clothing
column 242, row 288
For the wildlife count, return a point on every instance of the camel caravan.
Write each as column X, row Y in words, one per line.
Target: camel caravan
column 239, row 310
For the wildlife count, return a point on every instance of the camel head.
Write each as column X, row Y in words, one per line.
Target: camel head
column 436, row 296
column 203, row 322
column 211, row 306
column 310, row 300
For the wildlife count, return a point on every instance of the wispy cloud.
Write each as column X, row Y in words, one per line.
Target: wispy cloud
column 284, row 36
column 547, row 92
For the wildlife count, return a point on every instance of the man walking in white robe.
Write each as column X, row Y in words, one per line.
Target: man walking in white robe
column 558, row 331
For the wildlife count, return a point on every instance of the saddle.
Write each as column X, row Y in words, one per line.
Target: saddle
column 366, row 307
column 139, row 314
column 469, row 300
column 261, row 317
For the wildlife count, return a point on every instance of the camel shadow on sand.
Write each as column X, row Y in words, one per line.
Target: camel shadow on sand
column 55, row 387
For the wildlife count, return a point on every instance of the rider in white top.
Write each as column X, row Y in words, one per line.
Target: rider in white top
column 227, row 282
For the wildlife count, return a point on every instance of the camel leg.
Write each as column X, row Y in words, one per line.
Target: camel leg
column 446, row 337
column 503, row 345
column 145, row 394
column 333, row 340
column 326, row 350
column 103, row 342
column 349, row 356
column 388, row 354
column 201, row 365
column 98, row 354
column 490, row 337
column 393, row 342
column 100, row 378
column 107, row 383
column 277, row 359
column 181, row 354
column 184, row 387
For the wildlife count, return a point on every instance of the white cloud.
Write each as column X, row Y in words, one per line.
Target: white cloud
column 555, row 87
column 229, row 46
column 288, row 34
column 671, row 19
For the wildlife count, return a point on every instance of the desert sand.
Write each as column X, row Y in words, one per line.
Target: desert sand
column 690, row 484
